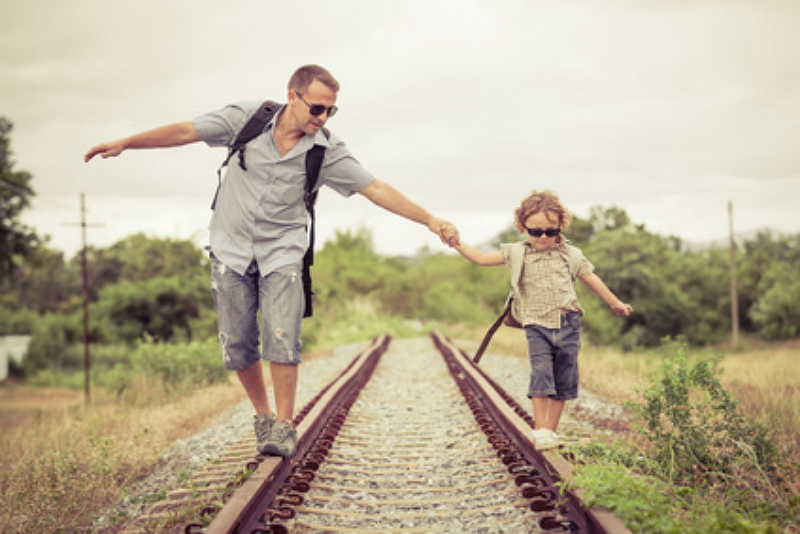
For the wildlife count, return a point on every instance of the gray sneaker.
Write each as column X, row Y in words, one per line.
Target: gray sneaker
column 282, row 442
column 262, row 425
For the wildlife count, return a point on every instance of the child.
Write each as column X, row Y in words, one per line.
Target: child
column 548, row 307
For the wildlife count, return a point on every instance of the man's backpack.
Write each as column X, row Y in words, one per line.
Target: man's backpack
column 252, row 129
column 510, row 311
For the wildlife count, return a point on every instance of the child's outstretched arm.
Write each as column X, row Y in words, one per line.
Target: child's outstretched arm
column 479, row 257
column 598, row 286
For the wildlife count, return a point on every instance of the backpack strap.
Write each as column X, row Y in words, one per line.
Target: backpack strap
column 574, row 257
column 314, row 159
column 517, row 252
column 252, row 128
column 517, row 256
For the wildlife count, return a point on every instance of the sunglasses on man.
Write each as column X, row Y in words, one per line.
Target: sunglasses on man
column 318, row 109
column 539, row 232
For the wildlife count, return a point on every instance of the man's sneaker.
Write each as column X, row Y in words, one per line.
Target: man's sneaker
column 282, row 442
column 544, row 439
column 262, row 425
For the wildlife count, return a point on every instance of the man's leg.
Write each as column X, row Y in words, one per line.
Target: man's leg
column 252, row 380
column 236, row 300
column 282, row 301
column 284, row 382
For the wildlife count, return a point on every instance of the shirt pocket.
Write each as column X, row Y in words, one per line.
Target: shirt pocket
column 283, row 194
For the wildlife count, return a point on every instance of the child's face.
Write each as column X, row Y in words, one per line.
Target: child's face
column 542, row 221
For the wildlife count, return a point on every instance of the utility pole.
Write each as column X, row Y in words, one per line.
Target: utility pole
column 87, row 367
column 734, row 289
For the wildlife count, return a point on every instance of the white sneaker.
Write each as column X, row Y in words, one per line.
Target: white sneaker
column 544, row 439
column 539, row 433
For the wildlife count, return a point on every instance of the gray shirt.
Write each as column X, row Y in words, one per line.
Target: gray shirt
column 260, row 213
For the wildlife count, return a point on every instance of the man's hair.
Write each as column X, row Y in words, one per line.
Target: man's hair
column 305, row 75
column 538, row 202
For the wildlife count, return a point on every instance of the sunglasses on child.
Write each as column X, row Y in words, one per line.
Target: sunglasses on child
column 539, row 232
column 318, row 109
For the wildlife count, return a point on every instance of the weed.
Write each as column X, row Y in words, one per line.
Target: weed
column 697, row 452
column 697, row 432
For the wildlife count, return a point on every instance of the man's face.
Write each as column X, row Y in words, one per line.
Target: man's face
column 303, row 102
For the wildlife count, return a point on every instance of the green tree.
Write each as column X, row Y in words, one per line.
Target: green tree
column 673, row 292
column 777, row 313
column 16, row 240
column 46, row 284
column 760, row 277
column 155, row 309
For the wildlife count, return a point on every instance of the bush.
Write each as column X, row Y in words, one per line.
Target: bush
column 697, row 431
column 53, row 344
column 699, row 438
column 158, row 371
column 695, row 450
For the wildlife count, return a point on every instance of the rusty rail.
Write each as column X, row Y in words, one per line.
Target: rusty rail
column 268, row 500
column 508, row 426
column 315, row 430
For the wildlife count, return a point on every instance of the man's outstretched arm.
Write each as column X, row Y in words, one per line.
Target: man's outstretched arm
column 177, row 134
column 390, row 199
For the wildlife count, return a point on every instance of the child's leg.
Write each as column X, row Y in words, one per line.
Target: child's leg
column 542, row 380
column 540, row 405
column 547, row 412
column 565, row 368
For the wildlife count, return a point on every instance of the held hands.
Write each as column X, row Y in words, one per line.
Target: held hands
column 446, row 231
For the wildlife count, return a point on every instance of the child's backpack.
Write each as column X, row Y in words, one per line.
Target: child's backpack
column 510, row 313
column 253, row 128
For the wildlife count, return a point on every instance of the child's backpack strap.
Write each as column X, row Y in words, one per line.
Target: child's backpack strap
column 517, row 251
column 574, row 257
column 507, row 317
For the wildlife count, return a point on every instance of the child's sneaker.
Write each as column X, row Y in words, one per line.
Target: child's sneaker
column 262, row 425
column 544, row 439
column 282, row 441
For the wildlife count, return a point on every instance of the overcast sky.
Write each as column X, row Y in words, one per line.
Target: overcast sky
column 665, row 109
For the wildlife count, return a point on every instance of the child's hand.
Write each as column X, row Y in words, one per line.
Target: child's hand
column 620, row 308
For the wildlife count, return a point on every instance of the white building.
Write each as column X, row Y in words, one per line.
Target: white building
column 12, row 348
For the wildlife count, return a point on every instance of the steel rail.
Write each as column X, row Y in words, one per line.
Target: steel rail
column 242, row 512
column 508, row 426
column 273, row 495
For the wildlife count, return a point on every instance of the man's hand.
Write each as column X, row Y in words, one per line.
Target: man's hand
column 445, row 230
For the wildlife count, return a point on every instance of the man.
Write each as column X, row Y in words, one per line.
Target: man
column 258, row 234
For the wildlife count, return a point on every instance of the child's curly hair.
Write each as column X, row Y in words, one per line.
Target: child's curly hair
column 542, row 201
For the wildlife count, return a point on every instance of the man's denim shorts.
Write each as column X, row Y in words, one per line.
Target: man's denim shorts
column 554, row 358
column 239, row 298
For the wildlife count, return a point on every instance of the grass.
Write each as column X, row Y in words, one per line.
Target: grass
column 60, row 465
column 765, row 380
column 62, row 461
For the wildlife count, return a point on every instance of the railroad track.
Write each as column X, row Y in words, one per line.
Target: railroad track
column 406, row 440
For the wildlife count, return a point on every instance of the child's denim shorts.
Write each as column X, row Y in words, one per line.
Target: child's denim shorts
column 554, row 358
column 279, row 298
